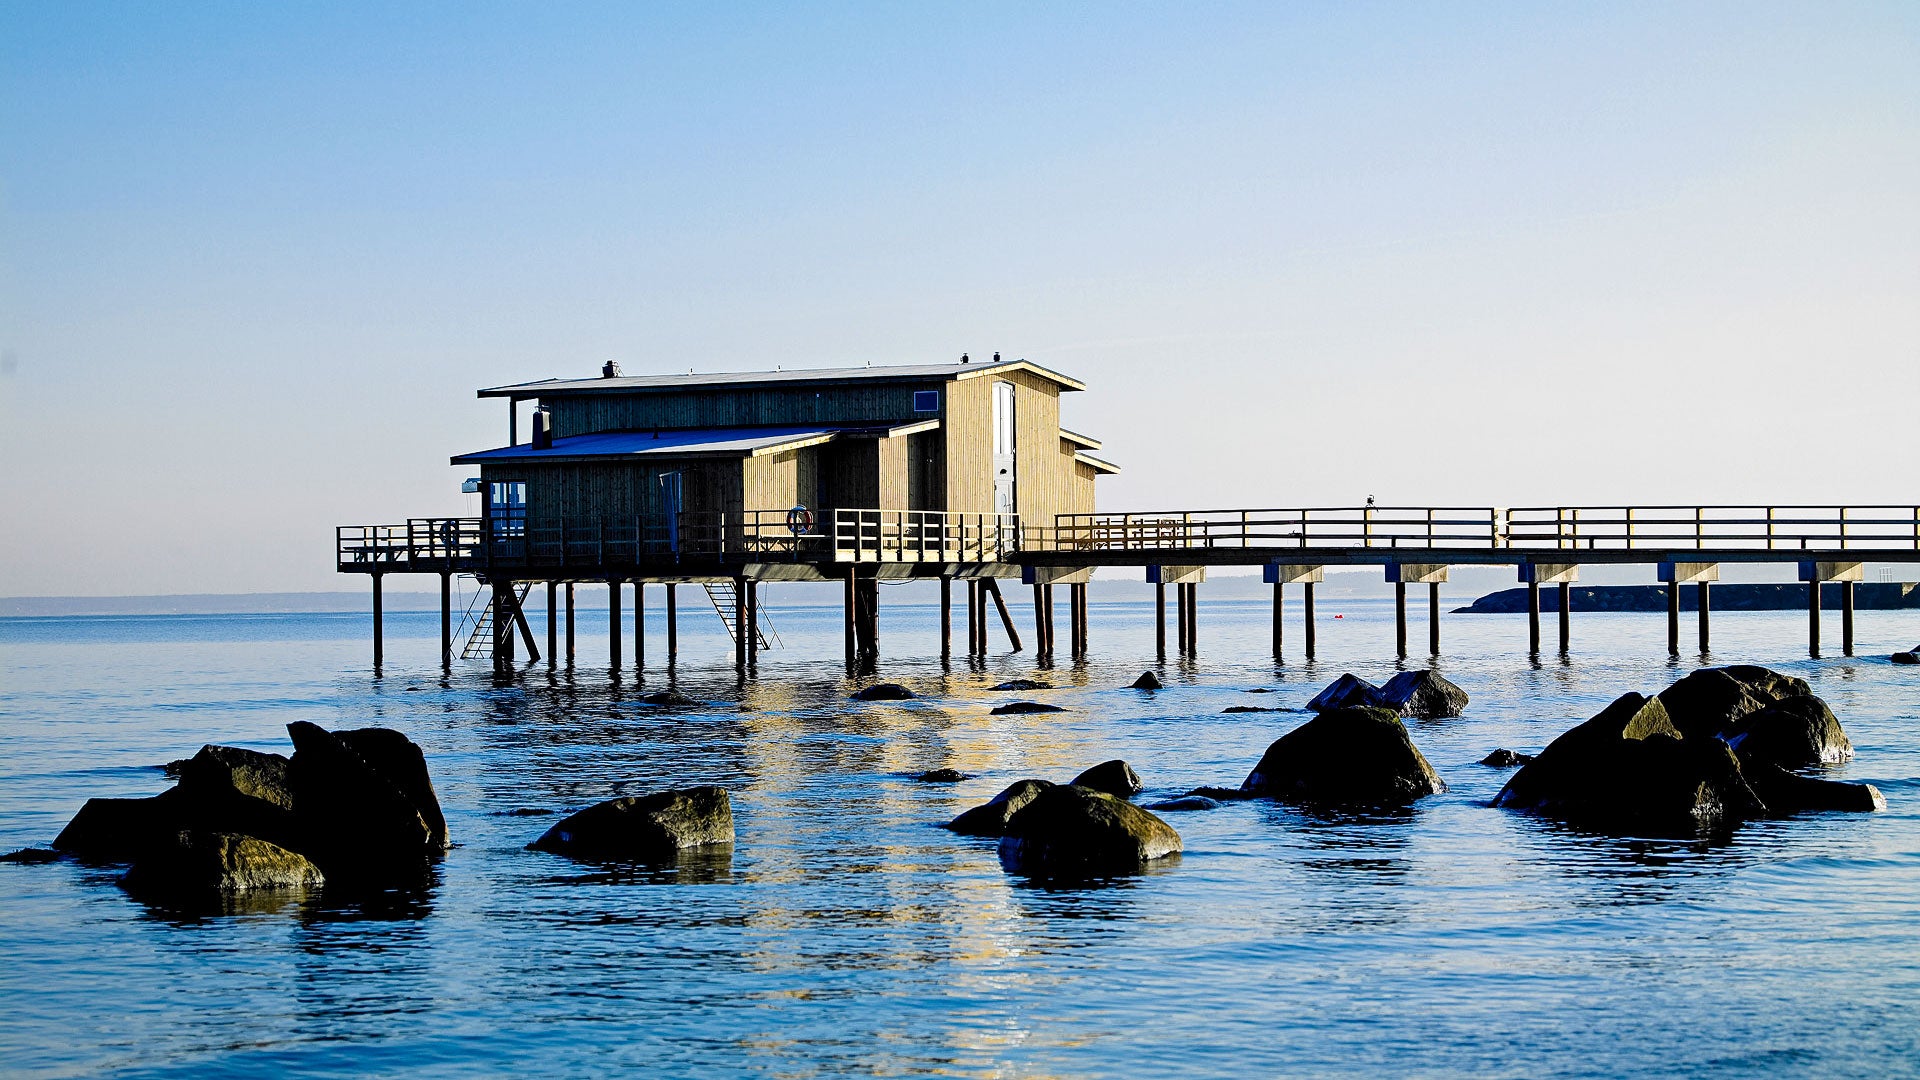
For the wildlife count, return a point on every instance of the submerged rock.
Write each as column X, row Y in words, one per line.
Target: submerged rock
column 670, row 699
column 942, row 776
column 1786, row 793
column 1349, row 691
column 32, row 856
column 1183, row 804
column 1253, row 709
column 1026, row 707
column 1147, row 681
column 990, row 818
column 1357, row 756
column 1069, row 831
column 1115, row 777
column 1424, row 695
column 643, row 828
column 1022, row 685
column 885, row 691
column 1791, row 733
column 191, row 862
column 1220, row 794
column 1911, row 656
column 1630, row 768
column 1504, row 758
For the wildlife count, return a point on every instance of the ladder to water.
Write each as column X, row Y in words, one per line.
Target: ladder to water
column 480, row 642
column 726, row 601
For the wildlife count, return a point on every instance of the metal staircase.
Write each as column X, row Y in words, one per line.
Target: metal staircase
column 480, row 642
column 726, row 601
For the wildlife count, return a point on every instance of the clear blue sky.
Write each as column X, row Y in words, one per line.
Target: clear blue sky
column 254, row 259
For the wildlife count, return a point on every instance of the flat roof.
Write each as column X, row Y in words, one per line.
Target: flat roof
column 629, row 384
column 690, row 442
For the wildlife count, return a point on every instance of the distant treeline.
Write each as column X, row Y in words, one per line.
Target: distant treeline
column 1730, row 597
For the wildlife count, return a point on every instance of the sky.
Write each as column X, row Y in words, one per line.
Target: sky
column 255, row 259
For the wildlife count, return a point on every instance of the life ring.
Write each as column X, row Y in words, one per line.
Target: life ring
column 799, row 520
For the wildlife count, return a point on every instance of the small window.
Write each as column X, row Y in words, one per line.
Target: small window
column 926, row 401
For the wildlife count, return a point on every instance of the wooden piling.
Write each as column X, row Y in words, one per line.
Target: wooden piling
column 1846, row 618
column 1279, row 617
column 1050, row 635
column 849, row 600
column 569, row 624
column 1180, row 618
column 520, row 621
column 1566, row 617
column 1306, row 607
column 673, row 623
column 1193, row 618
column 1006, row 617
column 613, row 625
column 751, row 632
column 553, row 623
column 1400, row 619
column 1673, row 618
column 446, row 618
column 1706, row 606
column 1039, row 621
column 379, row 624
column 1533, row 618
column 740, row 623
column 973, row 618
column 1160, row 620
column 1433, row 618
column 946, row 615
column 1813, row 618
column 502, row 625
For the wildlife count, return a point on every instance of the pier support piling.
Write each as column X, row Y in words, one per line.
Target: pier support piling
column 1403, row 575
column 1566, row 617
column 1040, row 650
column 1400, row 619
column 639, row 626
column 1280, row 575
column 1706, row 608
column 1814, row 574
column 751, row 630
column 1676, row 574
column 946, row 615
column 520, row 621
column 1846, row 618
column 569, row 624
column 849, row 601
column 613, row 625
column 379, row 624
column 1433, row 618
column 1160, row 620
column 446, row 618
column 1306, row 605
column 673, row 623
column 1813, row 619
column 1279, row 618
column 1006, row 617
column 740, row 630
column 553, row 623
column 502, row 626
column 1533, row 618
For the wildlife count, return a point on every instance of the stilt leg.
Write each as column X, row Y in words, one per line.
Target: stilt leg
column 673, row 623
column 553, row 623
column 1039, row 621
column 1846, row 618
column 1279, row 614
column 1673, row 618
column 1813, row 619
column 1566, row 618
column 520, row 621
column 639, row 626
column 1307, row 611
column 740, row 623
column 1400, row 619
column 1160, row 621
column 446, row 618
column 1706, row 606
column 613, row 625
column 946, row 615
column 1006, row 617
column 379, row 625
column 851, row 599
column 569, row 624
column 502, row 626
column 751, row 631
column 1533, row 618
column 1433, row 618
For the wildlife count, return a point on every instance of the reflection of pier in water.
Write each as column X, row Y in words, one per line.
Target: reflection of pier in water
column 730, row 554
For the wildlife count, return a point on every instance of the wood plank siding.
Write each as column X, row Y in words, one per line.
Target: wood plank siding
column 588, row 413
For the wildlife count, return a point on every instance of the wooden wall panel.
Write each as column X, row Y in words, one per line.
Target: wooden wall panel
column 771, row 482
column 926, row 472
column 966, row 426
column 891, row 457
column 580, row 415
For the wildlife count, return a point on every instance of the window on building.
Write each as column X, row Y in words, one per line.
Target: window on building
column 507, row 509
column 926, row 401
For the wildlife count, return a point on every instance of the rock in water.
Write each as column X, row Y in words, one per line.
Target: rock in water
column 1708, row 701
column 1026, row 707
column 1183, row 804
column 1785, row 793
column 1022, row 684
column 1791, row 733
column 1345, row 756
column 360, row 822
column 670, row 699
column 990, row 818
column 942, row 776
column 31, row 856
column 121, row 830
column 400, row 762
column 1628, row 768
column 1252, row 709
column 220, row 862
column 1147, row 681
column 885, row 691
column 1115, row 777
column 648, row 827
column 1424, row 695
column 1349, row 691
column 1911, row 656
column 1504, row 758
column 1071, row 832
column 242, row 772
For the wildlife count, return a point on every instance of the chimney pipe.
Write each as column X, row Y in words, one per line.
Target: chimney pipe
column 610, row 369
column 542, row 429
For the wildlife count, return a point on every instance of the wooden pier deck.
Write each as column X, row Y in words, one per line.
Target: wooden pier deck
column 1413, row 545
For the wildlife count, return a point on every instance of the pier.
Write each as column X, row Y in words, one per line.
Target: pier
column 730, row 554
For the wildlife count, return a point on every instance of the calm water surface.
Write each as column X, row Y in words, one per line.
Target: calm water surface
column 846, row 933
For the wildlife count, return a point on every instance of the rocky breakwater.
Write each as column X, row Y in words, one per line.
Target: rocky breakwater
column 1718, row 747
column 350, row 808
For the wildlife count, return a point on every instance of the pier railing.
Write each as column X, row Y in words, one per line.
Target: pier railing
column 1768, row 528
column 923, row 536
column 1302, row 527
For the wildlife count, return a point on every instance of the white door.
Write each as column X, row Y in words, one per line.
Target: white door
column 1004, row 471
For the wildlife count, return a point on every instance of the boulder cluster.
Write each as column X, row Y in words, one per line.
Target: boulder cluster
column 1716, row 748
column 1423, row 695
column 646, row 828
column 349, row 807
column 1084, row 828
column 1352, row 756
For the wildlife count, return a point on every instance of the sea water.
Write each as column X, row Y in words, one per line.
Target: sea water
column 846, row 932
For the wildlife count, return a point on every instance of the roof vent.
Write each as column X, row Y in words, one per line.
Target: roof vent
column 542, row 429
column 610, row 369
column 964, row 360
column 996, row 358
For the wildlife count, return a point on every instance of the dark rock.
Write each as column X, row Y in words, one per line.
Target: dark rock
column 990, row 818
column 1708, row 701
column 32, row 856
column 1022, row 685
column 885, row 691
column 527, row 811
column 400, row 761
column 942, row 776
column 220, row 862
column 1345, row 756
column 1115, row 777
column 1069, row 832
column 1791, row 733
column 1147, row 681
column 1786, row 793
column 120, row 830
column 358, row 822
column 220, row 771
column 1505, row 759
column 1259, row 690
column 1349, row 691
column 1911, row 656
column 645, row 828
column 1628, row 768
column 670, row 699
column 175, row 767
column 1026, row 707
column 1182, row 804
column 1252, row 708
column 1221, row 794
column 1424, row 695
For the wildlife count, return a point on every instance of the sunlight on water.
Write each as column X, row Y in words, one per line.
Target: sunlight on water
column 845, row 932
